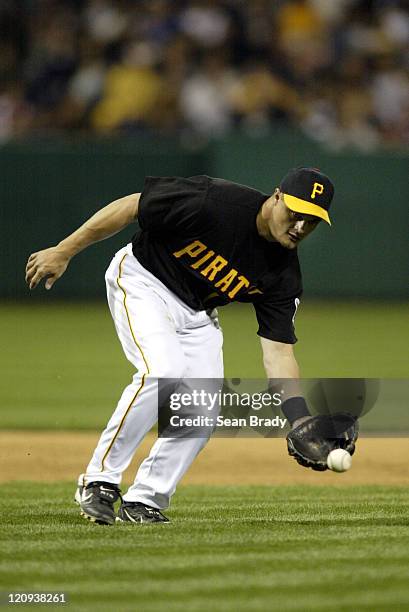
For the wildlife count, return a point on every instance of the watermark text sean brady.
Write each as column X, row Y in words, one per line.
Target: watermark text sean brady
column 251, row 420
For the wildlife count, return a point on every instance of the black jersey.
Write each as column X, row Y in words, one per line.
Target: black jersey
column 199, row 237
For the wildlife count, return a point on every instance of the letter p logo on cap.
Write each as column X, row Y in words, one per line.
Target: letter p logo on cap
column 317, row 189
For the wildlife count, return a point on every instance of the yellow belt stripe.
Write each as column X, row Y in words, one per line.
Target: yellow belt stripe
column 143, row 377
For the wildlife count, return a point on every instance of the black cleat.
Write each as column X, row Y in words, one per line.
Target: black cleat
column 135, row 512
column 97, row 502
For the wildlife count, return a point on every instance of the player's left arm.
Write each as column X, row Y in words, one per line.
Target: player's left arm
column 282, row 369
column 279, row 359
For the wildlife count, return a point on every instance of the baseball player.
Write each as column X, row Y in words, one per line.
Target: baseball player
column 202, row 243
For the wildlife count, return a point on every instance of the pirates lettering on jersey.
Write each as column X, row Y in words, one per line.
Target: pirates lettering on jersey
column 212, row 267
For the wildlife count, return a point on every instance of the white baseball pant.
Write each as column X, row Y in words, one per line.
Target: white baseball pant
column 163, row 338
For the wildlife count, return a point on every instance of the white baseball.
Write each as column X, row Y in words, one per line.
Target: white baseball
column 339, row 460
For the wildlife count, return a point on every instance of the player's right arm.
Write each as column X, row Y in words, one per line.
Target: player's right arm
column 51, row 263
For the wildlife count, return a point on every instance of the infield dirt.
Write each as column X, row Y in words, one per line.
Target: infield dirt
column 60, row 456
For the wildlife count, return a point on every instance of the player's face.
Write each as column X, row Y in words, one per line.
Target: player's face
column 287, row 227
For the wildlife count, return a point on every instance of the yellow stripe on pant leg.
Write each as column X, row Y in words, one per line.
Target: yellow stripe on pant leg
column 121, row 423
column 127, row 314
column 143, row 377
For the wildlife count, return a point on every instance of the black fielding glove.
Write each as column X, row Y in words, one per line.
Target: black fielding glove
column 311, row 442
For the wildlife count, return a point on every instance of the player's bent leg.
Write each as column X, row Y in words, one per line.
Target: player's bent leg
column 170, row 458
column 149, row 340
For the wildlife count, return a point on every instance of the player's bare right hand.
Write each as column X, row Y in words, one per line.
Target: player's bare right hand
column 49, row 264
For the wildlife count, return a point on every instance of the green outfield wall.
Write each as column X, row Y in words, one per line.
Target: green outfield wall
column 48, row 188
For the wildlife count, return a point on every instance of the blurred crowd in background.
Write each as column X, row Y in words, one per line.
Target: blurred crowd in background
column 337, row 69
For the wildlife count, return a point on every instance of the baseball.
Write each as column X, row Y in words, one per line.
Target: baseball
column 339, row 460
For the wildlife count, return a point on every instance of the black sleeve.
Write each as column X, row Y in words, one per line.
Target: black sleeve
column 172, row 204
column 276, row 313
column 275, row 320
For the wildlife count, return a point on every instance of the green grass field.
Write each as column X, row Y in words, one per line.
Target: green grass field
column 235, row 548
column 63, row 366
column 254, row 548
